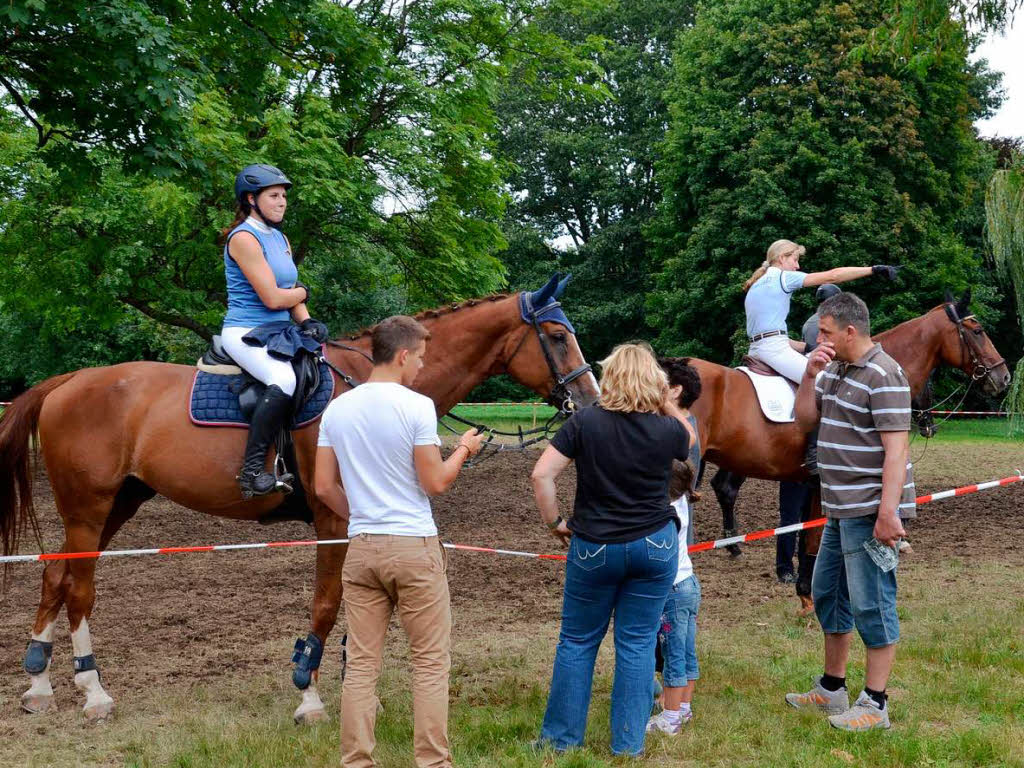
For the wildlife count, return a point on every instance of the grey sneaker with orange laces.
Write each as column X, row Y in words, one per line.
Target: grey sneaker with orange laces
column 830, row 702
column 864, row 715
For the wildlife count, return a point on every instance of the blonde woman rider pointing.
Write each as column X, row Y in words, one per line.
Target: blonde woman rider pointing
column 767, row 303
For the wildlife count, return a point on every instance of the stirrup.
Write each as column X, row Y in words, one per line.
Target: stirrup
column 282, row 484
column 283, row 479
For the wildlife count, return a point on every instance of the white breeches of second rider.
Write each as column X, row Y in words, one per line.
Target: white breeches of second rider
column 776, row 352
column 257, row 362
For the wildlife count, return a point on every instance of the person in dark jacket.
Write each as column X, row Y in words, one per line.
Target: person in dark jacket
column 623, row 543
column 795, row 496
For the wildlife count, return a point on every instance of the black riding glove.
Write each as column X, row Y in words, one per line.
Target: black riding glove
column 886, row 271
column 316, row 329
column 304, row 287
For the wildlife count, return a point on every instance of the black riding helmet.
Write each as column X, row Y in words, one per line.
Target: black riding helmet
column 826, row 291
column 254, row 178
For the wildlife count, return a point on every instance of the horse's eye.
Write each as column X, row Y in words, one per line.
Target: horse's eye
column 561, row 338
column 978, row 331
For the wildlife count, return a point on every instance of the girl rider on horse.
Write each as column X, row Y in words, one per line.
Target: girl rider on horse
column 263, row 287
column 767, row 304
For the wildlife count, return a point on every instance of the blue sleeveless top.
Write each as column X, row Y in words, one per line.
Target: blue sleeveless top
column 245, row 308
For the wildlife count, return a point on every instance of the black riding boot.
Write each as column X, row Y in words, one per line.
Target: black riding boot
column 267, row 421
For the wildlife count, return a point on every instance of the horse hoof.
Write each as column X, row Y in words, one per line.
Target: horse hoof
column 310, row 717
column 36, row 703
column 734, row 551
column 806, row 607
column 97, row 713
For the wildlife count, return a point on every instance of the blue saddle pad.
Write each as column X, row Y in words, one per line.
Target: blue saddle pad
column 213, row 404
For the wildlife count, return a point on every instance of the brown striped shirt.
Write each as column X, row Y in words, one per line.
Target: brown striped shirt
column 857, row 402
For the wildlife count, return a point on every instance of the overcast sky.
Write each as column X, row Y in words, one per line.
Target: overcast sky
column 1005, row 53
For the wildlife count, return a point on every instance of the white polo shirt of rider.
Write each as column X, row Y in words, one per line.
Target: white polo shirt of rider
column 767, row 300
column 373, row 430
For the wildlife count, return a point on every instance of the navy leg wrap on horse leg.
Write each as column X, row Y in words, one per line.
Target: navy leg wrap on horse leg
column 307, row 657
column 37, row 656
column 86, row 664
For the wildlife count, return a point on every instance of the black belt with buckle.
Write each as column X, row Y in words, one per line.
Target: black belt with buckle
column 767, row 335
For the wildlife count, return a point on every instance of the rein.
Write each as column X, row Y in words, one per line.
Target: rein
column 490, row 448
column 351, row 381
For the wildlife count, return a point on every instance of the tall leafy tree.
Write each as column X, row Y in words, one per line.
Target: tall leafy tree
column 784, row 126
column 97, row 72
column 583, row 162
column 1004, row 206
column 381, row 112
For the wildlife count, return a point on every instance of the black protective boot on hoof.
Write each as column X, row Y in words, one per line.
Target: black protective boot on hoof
column 268, row 420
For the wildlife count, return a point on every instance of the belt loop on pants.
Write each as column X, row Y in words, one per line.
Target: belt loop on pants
column 767, row 335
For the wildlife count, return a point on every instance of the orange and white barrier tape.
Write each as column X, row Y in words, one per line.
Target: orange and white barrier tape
column 704, row 546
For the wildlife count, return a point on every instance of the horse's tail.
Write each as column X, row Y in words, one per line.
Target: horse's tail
column 18, row 424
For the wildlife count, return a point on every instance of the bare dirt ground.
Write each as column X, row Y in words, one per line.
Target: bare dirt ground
column 172, row 622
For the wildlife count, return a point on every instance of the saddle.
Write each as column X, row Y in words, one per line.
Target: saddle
column 775, row 393
column 224, row 395
column 755, row 366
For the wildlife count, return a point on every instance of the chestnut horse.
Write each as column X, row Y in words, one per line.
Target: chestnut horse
column 743, row 443
column 113, row 437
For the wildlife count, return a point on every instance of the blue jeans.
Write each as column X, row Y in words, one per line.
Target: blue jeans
column 632, row 580
column 678, row 635
column 849, row 589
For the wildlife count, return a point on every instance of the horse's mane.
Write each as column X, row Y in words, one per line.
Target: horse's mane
column 430, row 314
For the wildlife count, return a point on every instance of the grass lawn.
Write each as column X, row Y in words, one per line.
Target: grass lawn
column 957, row 697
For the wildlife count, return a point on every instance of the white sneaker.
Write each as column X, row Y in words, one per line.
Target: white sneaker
column 830, row 702
column 660, row 722
column 864, row 715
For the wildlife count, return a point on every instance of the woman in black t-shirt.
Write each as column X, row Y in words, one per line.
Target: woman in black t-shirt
column 622, row 540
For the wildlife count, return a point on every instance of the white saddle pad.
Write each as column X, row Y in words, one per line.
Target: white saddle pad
column 776, row 394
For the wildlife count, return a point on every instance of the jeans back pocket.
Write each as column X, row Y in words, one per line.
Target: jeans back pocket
column 586, row 554
column 663, row 545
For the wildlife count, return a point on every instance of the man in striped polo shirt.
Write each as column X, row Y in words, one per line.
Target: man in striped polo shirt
column 861, row 399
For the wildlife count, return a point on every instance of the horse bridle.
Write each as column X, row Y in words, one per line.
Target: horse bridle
column 979, row 370
column 560, row 396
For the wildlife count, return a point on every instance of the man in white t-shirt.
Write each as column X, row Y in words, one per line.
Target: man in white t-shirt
column 379, row 451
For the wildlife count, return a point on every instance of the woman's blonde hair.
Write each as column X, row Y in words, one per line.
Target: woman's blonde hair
column 776, row 252
column 632, row 380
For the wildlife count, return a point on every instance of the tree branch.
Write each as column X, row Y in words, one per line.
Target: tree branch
column 167, row 318
column 44, row 135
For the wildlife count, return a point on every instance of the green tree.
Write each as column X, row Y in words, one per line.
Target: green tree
column 583, row 162
column 380, row 112
column 1004, row 206
column 96, row 72
column 778, row 131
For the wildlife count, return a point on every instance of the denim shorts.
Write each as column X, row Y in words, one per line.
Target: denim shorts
column 849, row 589
column 678, row 634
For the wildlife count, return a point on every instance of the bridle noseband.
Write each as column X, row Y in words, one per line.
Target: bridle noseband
column 560, row 396
column 979, row 370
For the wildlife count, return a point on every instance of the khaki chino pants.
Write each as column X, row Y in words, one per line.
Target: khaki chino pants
column 380, row 573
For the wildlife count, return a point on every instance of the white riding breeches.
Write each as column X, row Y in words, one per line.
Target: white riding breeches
column 257, row 362
column 776, row 352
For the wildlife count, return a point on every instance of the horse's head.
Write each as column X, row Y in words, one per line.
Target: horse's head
column 546, row 357
column 969, row 348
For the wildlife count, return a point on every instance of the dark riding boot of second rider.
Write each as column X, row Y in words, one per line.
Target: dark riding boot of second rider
column 267, row 421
